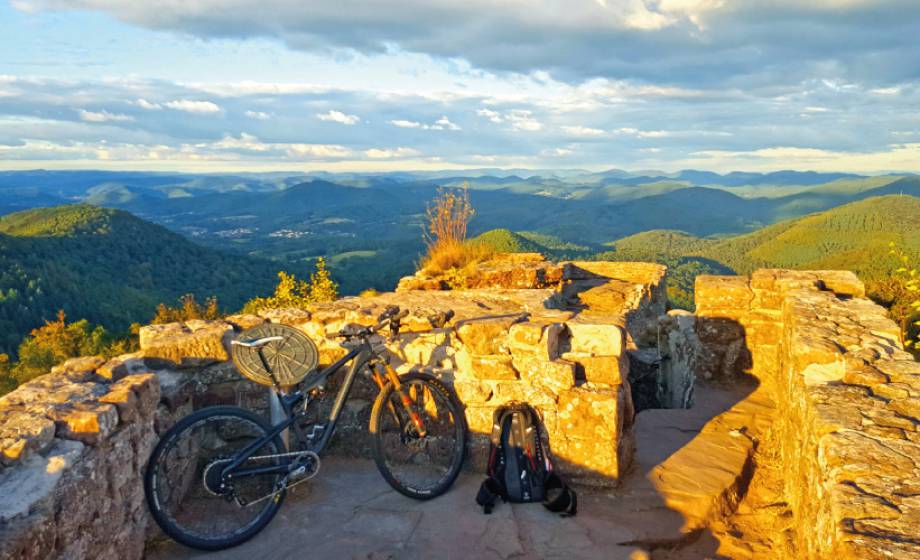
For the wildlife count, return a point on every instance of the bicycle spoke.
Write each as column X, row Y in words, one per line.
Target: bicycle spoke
column 189, row 475
column 420, row 463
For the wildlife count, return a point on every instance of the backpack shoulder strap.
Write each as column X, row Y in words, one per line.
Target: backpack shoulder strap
column 489, row 492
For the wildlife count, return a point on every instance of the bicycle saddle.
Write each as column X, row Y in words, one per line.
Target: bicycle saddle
column 256, row 342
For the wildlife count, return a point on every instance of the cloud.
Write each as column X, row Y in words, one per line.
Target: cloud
column 894, row 158
column 103, row 116
column 493, row 116
column 189, row 106
column 402, row 123
column 643, row 133
column 521, row 120
column 392, row 153
column 668, row 42
column 144, row 104
column 517, row 122
column 339, row 117
column 442, row 123
column 583, row 131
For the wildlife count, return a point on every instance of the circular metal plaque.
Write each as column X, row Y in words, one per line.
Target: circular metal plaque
column 290, row 359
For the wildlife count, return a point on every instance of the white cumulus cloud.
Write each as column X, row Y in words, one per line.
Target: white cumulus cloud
column 103, row 116
column 391, row 153
column 189, row 106
column 582, row 131
column 402, row 123
column 339, row 117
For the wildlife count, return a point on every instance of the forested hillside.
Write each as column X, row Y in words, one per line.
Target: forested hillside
column 850, row 237
column 109, row 267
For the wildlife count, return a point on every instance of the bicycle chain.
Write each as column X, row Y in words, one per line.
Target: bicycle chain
column 284, row 481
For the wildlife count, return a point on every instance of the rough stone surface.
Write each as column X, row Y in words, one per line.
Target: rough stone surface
column 73, row 453
column 348, row 511
column 845, row 435
column 189, row 344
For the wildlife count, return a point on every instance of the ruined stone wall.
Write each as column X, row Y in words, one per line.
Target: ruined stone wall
column 562, row 349
column 848, row 403
column 73, row 444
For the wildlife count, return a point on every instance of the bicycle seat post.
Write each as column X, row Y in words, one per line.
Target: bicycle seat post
column 276, row 411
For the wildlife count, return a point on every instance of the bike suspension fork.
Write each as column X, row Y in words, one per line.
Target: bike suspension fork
column 391, row 376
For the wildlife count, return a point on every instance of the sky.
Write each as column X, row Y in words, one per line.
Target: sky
column 375, row 85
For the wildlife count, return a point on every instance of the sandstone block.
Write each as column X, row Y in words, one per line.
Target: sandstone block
column 590, row 414
column 190, row 344
column 536, row 339
column 495, row 366
column 134, row 396
column 613, row 296
column 596, row 338
column 507, row 391
column 22, row 434
column 488, row 335
column 906, row 406
column 894, row 390
column 244, row 321
column 867, row 376
column 479, row 419
column 555, row 375
column 841, row 282
column 633, row 272
column 290, row 316
column 718, row 330
column 80, row 369
column 429, row 349
column 87, row 422
column 722, row 292
column 120, row 366
column 472, row 392
column 610, row 370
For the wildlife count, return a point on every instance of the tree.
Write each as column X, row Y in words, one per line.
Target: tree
column 187, row 309
column 7, row 381
column 322, row 287
column 57, row 341
column 291, row 292
column 909, row 302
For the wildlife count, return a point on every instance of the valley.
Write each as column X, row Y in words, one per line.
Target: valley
column 237, row 231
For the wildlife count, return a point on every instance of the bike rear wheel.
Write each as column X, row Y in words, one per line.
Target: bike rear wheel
column 421, row 467
column 188, row 497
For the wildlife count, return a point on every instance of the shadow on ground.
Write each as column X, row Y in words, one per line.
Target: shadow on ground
column 349, row 511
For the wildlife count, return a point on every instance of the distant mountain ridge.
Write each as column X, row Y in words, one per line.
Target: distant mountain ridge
column 369, row 224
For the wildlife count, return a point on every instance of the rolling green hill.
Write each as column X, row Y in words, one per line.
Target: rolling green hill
column 854, row 237
column 109, row 267
column 507, row 241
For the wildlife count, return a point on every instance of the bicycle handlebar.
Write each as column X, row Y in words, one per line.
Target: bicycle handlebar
column 391, row 317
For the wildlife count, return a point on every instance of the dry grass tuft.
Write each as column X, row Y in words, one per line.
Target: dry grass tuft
column 449, row 215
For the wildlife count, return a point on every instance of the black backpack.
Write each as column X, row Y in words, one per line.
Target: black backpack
column 519, row 469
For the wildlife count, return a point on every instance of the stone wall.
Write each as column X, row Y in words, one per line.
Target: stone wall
column 561, row 349
column 72, row 447
column 848, row 403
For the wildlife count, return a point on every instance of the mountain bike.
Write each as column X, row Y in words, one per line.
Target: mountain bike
column 219, row 476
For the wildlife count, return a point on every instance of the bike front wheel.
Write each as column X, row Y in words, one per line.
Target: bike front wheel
column 418, row 466
column 190, row 498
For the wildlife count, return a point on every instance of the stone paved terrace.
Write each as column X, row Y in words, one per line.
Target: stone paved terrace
column 801, row 441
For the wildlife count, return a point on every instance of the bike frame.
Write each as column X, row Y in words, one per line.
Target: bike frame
column 361, row 355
